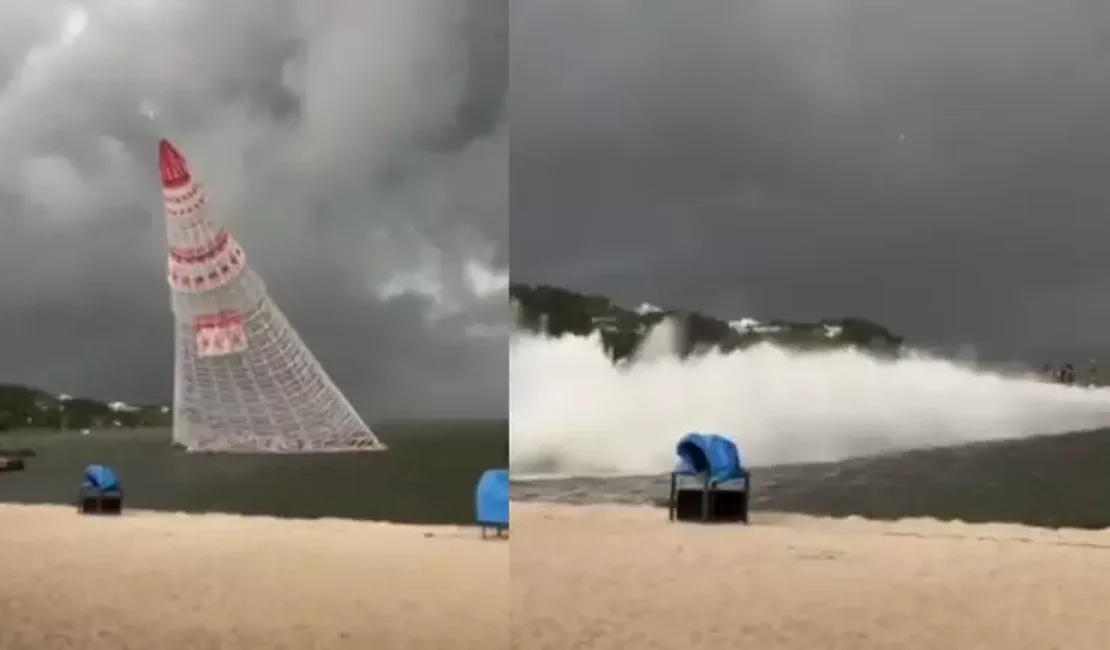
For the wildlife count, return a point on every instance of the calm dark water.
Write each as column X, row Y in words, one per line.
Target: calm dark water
column 427, row 475
column 1052, row 481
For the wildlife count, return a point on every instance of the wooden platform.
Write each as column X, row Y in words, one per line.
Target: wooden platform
column 11, row 464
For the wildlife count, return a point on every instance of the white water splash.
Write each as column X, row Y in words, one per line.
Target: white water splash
column 574, row 413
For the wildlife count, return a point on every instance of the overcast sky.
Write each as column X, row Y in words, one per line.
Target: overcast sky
column 941, row 167
column 357, row 149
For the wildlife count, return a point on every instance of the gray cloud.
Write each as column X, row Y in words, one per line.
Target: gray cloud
column 937, row 166
column 357, row 149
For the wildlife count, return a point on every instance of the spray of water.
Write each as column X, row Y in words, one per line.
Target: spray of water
column 574, row 413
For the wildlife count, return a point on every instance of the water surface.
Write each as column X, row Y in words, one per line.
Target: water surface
column 427, row 475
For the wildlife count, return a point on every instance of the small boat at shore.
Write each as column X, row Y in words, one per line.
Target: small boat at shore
column 11, row 464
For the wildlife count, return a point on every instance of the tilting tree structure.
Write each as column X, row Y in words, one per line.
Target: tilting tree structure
column 243, row 379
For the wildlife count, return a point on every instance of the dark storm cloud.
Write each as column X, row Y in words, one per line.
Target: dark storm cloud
column 358, row 149
column 938, row 166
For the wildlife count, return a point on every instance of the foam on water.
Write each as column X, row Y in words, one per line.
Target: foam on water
column 573, row 413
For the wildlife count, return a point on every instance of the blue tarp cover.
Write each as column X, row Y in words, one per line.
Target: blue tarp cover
column 102, row 478
column 708, row 452
column 492, row 498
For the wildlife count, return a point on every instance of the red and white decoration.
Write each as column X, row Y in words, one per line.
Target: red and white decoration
column 184, row 198
column 175, row 171
column 269, row 393
column 196, row 270
column 202, row 256
column 220, row 334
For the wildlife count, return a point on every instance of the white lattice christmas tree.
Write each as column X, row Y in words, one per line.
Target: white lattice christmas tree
column 244, row 381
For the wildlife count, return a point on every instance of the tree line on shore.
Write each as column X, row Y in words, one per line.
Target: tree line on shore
column 25, row 407
column 555, row 312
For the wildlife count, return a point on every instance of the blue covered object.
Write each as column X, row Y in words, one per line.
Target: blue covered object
column 492, row 499
column 101, row 479
column 699, row 453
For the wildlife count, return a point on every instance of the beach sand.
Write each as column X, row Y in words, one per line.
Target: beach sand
column 173, row 581
column 604, row 577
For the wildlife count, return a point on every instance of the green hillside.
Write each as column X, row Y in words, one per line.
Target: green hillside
column 25, row 407
column 559, row 312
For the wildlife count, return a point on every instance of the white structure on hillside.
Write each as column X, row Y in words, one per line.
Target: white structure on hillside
column 244, row 381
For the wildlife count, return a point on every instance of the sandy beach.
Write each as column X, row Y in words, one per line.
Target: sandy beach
column 605, row 577
column 149, row 580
